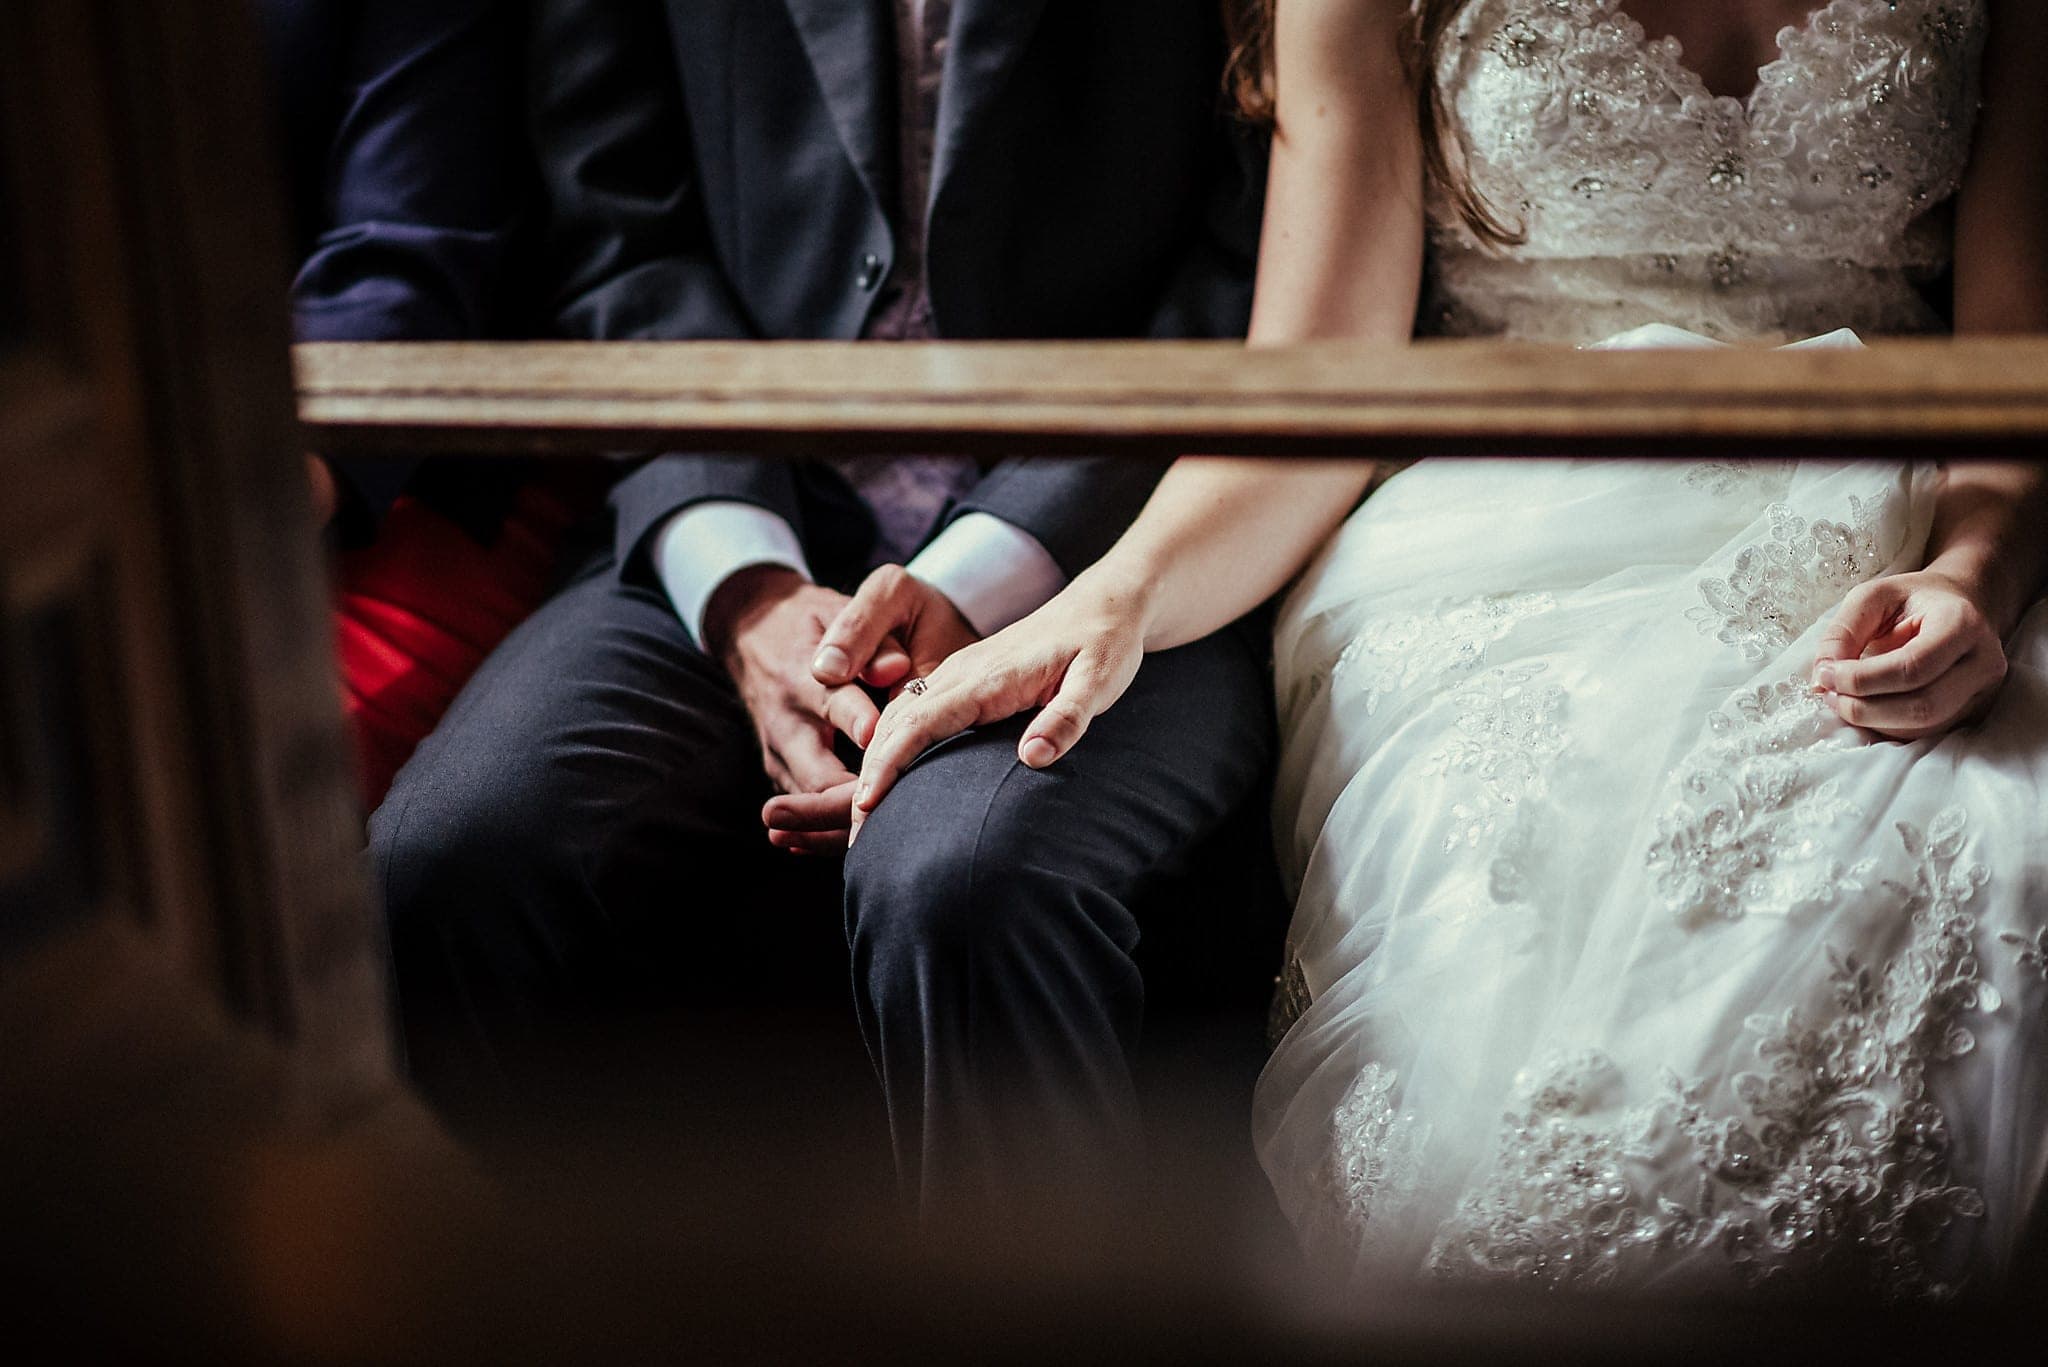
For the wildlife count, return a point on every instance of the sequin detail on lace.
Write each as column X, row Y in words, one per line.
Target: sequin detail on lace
column 1846, row 1158
column 1510, row 727
column 1291, row 997
column 1723, row 478
column 2030, row 956
column 1645, row 197
column 1446, row 642
column 1749, row 836
column 1830, row 1168
column 1561, row 1205
column 1375, row 1158
column 1780, row 586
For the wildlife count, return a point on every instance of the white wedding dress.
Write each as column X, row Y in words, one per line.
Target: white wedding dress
column 1620, row 960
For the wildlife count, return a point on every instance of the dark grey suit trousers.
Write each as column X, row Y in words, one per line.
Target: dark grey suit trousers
column 583, row 830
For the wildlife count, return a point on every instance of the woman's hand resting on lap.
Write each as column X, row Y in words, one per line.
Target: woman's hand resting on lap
column 1910, row 656
column 1072, row 659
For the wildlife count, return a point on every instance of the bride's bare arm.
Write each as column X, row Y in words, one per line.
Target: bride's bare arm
column 1913, row 655
column 1341, row 257
column 1992, row 530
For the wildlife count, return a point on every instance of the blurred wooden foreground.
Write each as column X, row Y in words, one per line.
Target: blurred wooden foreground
column 1164, row 398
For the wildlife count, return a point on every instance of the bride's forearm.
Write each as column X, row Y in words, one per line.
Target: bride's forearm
column 1991, row 533
column 1340, row 256
column 1218, row 537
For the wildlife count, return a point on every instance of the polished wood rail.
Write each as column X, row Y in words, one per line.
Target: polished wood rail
column 1168, row 397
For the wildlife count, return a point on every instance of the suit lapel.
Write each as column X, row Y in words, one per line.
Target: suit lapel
column 984, row 43
column 852, row 47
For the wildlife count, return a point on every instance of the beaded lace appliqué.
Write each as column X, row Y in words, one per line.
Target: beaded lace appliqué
column 1439, row 645
column 1750, row 834
column 1643, row 196
column 1375, row 1158
column 1509, row 728
column 1832, row 1168
column 1722, row 478
column 2031, row 956
column 1290, row 998
column 1780, row 586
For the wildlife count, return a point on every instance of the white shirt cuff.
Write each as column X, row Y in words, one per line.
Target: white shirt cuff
column 994, row 572
column 707, row 543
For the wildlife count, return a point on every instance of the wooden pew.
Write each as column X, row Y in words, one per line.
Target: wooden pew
column 1985, row 395
column 1930, row 398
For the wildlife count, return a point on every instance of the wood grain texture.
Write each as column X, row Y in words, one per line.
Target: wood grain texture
column 1433, row 398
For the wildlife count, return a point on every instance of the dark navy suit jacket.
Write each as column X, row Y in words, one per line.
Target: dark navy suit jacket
column 727, row 169
column 403, row 132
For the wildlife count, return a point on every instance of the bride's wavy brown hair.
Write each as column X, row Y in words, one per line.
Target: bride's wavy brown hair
column 1250, row 81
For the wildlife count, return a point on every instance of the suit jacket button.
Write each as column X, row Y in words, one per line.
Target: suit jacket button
column 870, row 271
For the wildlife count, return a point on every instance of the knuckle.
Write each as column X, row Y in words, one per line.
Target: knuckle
column 1853, row 710
column 1065, row 730
column 989, row 686
column 1053, row 726
column 1911, row 672
column 1068, row 714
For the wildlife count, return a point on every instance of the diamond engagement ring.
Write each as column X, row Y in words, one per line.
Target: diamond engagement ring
column 916, row 687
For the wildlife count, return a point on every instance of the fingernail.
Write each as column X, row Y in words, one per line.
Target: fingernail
column 1824, row 675
column 1038, row 752
column 833, row 661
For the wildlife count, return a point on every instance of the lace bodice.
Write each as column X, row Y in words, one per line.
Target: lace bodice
column 1809, row 205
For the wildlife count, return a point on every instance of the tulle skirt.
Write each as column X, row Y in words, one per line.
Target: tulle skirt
column 1622, row 960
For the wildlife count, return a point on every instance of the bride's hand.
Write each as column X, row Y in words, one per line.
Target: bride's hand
column 1910, row 656
column 1071, row 659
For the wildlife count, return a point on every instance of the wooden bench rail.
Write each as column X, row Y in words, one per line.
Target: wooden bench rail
column 1164, row 398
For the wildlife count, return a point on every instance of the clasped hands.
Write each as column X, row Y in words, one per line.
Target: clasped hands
column 1906, row 657
column 804, row 659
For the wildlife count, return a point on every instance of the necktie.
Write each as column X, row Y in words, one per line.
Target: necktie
column 907, row 493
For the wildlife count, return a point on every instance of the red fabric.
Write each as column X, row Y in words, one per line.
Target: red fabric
column 418, row 609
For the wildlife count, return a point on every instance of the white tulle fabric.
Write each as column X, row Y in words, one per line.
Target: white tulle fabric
column 1618, row 958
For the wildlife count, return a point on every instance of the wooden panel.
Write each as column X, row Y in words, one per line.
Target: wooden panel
column 67, row 801
column 1167, row 397
column 204, row 263
column 161, row 587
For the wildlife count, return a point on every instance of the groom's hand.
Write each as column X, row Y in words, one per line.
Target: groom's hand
column 765, row 625
column 894, row 629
